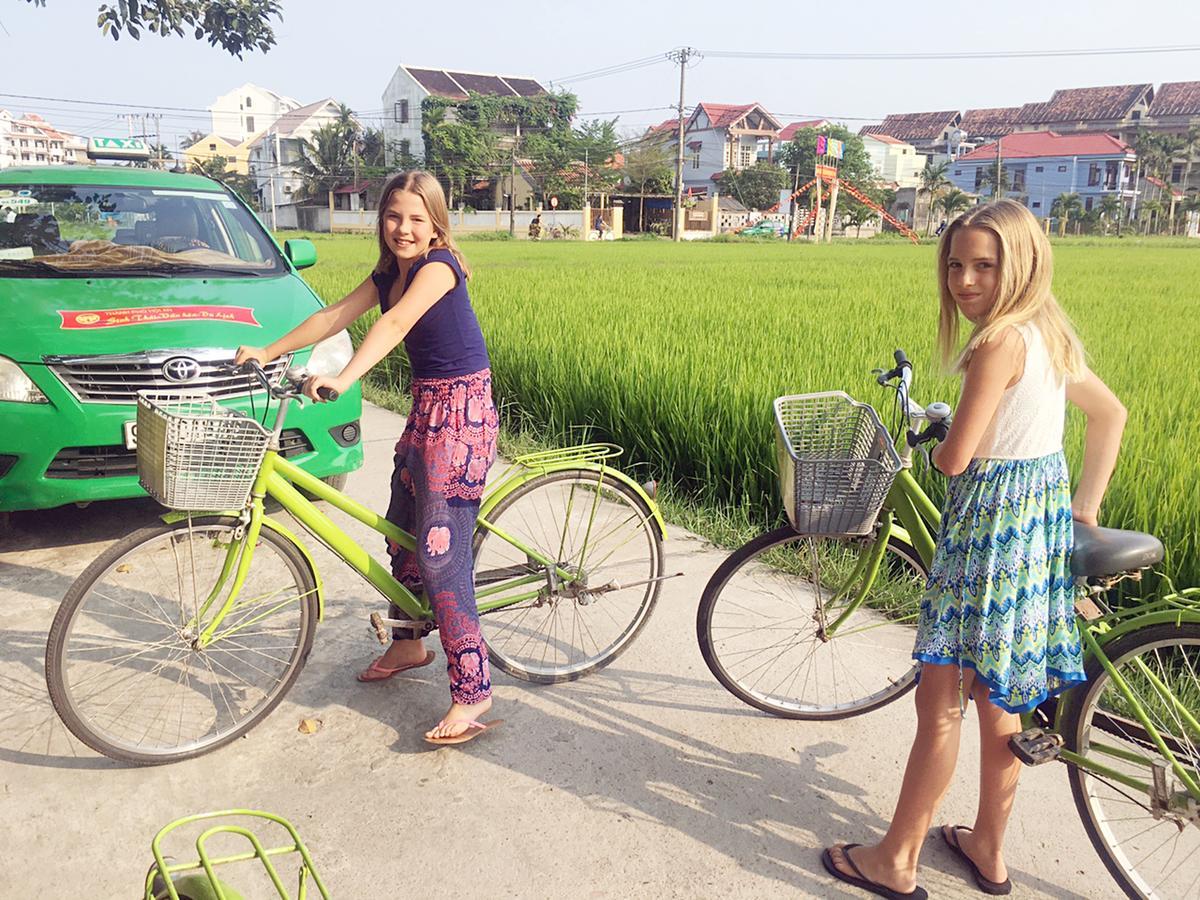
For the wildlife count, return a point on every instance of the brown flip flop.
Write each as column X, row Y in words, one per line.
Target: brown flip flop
column 473, row 730
column 376, row 672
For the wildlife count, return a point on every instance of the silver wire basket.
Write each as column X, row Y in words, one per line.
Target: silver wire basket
column 836, row 462
column 194, row 454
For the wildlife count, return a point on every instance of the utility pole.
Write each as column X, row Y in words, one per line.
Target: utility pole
column 585, row 182
column 680, row 56
column 999, row 171
column 512, row 183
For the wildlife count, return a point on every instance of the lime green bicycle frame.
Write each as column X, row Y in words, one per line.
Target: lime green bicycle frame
column 909, row 514
column 279, row 480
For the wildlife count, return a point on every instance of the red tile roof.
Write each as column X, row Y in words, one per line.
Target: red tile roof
column 885, row 138
column 668, row 125
column 724, row 115
column 926, row 126
column 1029, row 144
column 1086, row 104
column 789, row 132
column 989, row 120
column 1177, row 98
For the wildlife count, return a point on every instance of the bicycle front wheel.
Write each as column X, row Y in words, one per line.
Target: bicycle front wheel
column 545, row 628
column 122, row 665
column 768, row 625
column 1147, row 836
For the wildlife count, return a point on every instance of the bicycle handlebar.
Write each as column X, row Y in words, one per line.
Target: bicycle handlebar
column 295, row 379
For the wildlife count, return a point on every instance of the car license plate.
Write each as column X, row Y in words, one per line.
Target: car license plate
column 131, row 435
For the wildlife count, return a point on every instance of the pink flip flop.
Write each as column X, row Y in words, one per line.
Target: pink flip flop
column 376, row 672
column 473, row 730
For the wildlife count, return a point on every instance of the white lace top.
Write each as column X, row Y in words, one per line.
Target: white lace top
column 1029, row 420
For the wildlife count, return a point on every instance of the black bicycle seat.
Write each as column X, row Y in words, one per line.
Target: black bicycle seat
column 1109, row 551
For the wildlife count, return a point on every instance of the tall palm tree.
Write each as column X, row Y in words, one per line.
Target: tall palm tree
column 1065, row 207
column 954, row 202
column 933, row 181
column 1171, row 146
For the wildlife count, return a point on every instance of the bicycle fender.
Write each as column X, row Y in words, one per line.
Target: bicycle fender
column 1123, row 627
column 511, row 484
column 176, row 515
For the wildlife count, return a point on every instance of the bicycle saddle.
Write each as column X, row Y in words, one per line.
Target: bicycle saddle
column 1109, row 551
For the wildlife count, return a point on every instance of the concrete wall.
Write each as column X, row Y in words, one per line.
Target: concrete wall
column 402, row 87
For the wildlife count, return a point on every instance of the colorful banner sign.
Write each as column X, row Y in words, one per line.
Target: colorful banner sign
column 73, row 320
column 822, row 145
column 835, row 148
column 826, row 172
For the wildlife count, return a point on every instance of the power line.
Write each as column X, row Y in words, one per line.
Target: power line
column 950, row 54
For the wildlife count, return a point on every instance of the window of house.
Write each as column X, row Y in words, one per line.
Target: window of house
column 41, row 157
column 1111, row 174
column 1137, row 114
column 1037, row 204
column 1037, row 168
column 958, row 171
column 695, row 159
column 24, row 142
column 250, row 123
column 400, row 112
column 212, row 146
column 978, row 177
column 24, row 156
column 746, row 156
column 1176, row 173
column 405, row 146
column 1093, row 174
column 1087, row 203
column 1062, row 168
column 248, row 103
column 1018, row 178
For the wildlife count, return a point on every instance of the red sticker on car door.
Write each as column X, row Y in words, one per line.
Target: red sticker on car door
column 149, row 315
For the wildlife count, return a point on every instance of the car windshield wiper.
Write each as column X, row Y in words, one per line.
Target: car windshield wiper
column 30, row 268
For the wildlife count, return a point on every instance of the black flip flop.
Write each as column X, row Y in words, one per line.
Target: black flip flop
column 862, row 881
column 995, row 888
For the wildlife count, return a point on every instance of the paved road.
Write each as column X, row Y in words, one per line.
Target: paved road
column 644, row 780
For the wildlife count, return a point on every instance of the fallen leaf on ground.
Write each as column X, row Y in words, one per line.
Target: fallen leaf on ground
column 309, row 726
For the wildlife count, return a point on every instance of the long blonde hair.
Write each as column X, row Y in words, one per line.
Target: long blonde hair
column 1023, row 294
column 430, row 191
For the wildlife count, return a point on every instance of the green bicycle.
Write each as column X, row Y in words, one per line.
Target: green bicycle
column 186, row 634
column 816, row 620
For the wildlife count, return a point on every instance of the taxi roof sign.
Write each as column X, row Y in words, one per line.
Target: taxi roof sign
column 118, row 148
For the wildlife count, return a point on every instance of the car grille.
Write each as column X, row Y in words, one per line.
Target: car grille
column 112, row 461
column 117, row 379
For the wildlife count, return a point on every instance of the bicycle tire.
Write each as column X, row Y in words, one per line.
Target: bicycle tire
column 545, row 654
column 64, row 645
column 1094, row 709
column 745, row 565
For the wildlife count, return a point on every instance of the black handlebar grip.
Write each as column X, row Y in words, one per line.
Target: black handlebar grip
column 902, row 360
column 327, row 394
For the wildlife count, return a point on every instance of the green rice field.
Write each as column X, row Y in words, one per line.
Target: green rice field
column 676, row 352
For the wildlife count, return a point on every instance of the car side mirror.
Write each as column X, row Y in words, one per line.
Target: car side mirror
column 301, row 252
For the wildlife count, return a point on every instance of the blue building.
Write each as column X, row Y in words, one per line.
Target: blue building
column 1041, row 165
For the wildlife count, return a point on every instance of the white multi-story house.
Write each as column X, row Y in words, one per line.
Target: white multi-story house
column 720, row 136
column 410, row 85
column 30, row 140
column 245, row 111
column 895, row 161
column 276, row 151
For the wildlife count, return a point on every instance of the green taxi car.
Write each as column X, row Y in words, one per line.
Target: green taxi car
column 115, row 280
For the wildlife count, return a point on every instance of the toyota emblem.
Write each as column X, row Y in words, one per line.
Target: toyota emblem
column 180, row 369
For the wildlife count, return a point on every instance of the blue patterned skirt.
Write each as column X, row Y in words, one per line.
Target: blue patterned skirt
column 1000, row 597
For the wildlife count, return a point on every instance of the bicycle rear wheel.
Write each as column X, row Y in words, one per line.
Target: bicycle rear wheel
column 763, row 616
column 121, row 665
column 1148, row 838
column 597, row 528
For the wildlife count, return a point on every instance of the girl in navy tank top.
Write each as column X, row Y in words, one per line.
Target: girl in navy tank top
column 449, row 439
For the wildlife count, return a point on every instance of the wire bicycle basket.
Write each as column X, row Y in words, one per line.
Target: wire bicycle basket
column 194, row 454
column 836, row 462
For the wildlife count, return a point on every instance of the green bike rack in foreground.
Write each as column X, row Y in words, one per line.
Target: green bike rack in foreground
column 160, row 885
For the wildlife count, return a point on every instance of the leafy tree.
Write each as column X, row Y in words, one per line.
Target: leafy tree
column 595, row 147
column 996, row 179
column 1066, row 207
column 238, row 26
column 648, row 167
column 327, row 158
column 193, row 138
column 756, row 187
column 858, row 215
column 455, row 150
column 799, row 156
column 953, row 202
column 933, row 182
column 217, row 168
column 1110, row 210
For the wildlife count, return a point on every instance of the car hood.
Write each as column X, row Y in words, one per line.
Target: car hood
column 76, row 316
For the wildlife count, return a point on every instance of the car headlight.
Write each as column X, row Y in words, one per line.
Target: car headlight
column 330, row 356
column 16, row 386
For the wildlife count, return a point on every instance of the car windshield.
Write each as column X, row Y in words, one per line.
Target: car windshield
column 96, row 230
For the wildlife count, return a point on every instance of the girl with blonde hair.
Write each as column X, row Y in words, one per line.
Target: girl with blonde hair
column 997, row 621
column 419, row 284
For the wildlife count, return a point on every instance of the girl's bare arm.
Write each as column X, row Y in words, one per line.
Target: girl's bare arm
column 993, row 367
column 1105, row 423
column 320, row 325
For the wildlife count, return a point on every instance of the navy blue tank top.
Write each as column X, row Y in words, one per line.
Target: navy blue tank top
column 447, row 340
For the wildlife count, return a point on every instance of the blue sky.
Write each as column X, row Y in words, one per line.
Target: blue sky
column 58, row 52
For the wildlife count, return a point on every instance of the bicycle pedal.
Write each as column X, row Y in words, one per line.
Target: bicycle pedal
column 1034, row 746
column 381, row 631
